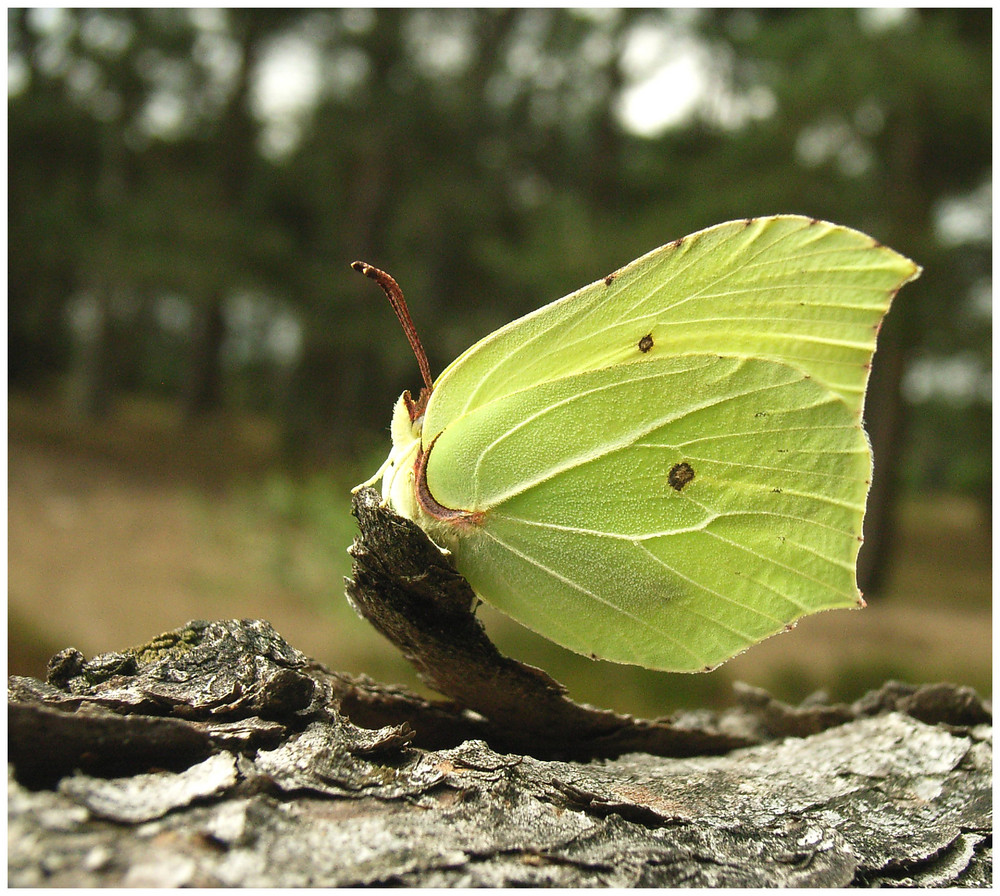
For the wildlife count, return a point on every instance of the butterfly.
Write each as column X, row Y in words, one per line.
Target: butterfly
column 668, row 465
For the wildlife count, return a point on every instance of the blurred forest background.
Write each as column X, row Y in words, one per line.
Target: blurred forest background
column 196, row 376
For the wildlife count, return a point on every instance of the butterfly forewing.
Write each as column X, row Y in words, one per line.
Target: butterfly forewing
column 804, row 293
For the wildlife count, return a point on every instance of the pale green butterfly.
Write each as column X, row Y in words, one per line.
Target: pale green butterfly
column 668, row 465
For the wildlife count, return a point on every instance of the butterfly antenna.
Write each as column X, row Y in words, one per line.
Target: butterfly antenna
column 395, row 296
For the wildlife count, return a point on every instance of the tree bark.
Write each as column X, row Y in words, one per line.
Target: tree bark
column 218, row 755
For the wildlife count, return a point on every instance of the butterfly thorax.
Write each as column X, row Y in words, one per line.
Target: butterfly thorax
column 404, row 479
column 398, row 476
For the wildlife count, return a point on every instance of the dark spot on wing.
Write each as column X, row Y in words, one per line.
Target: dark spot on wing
column 680, row 475
column 646, row 343
column 610, row 278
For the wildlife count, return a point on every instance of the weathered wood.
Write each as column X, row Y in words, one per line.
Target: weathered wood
column 219, row 755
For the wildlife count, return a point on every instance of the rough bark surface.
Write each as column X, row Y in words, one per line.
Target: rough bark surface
column 218, row 755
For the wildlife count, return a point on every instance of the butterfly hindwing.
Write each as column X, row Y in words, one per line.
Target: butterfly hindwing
column 668, row 514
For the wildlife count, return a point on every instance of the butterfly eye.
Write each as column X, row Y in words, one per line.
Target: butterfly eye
column 680, row 475
column 646, row 343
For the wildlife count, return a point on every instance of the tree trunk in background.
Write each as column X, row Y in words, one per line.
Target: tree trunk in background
column 93, row 389
column 234, row 163
column 92, row 381
column 204, row 393
column 885, row 411
column 884, row 421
